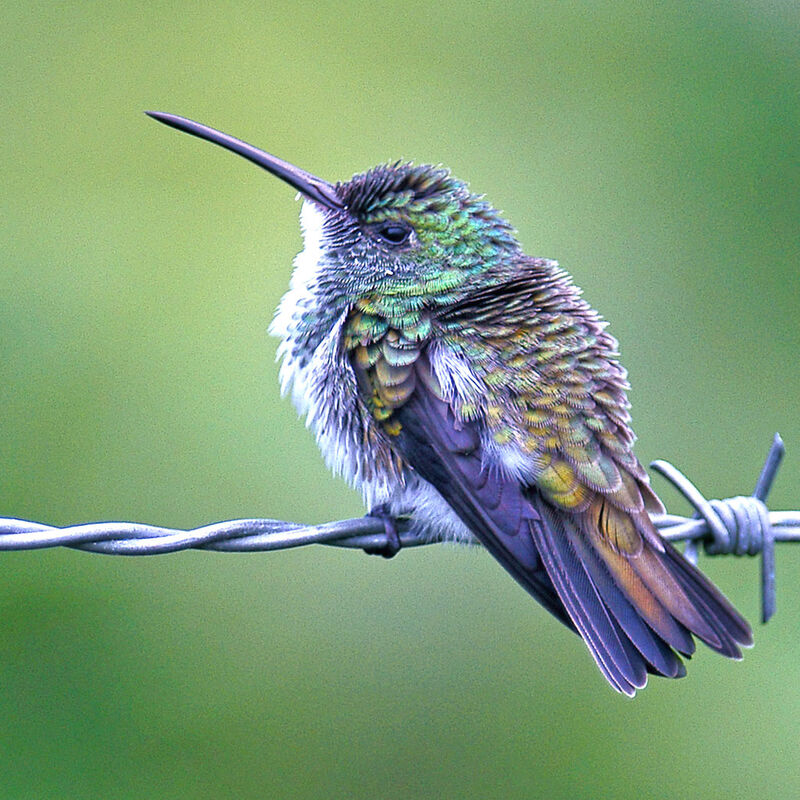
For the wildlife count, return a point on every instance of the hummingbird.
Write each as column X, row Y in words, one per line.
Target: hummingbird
column 460, row 383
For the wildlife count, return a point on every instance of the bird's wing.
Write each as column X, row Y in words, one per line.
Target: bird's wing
column 575, row 534
column 506, row 519
column 395, row 381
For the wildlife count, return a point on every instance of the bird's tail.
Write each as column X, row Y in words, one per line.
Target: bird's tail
column 633, row 597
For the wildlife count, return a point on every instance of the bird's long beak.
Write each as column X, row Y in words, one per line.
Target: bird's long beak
column 312, row 187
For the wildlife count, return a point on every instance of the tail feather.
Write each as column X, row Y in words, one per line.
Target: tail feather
column 720, row 613
column 670, row 592
column 607, row 642
column 642, row 589
column 661, row 658
column 634, row 598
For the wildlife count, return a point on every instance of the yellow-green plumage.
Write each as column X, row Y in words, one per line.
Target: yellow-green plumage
column 552, row 393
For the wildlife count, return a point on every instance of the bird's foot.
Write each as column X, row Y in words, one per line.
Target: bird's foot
column 392, row 545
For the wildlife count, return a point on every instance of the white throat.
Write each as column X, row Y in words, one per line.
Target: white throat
column 300, row 298
column 305, row 272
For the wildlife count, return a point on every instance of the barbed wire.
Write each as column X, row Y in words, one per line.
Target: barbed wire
column 739, row 526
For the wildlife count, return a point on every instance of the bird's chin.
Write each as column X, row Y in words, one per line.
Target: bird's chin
column 312, row 218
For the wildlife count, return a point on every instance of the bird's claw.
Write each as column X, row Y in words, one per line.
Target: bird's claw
column 392, row 545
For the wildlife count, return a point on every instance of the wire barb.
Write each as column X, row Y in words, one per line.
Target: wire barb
column 735, row 526
column 738, row 525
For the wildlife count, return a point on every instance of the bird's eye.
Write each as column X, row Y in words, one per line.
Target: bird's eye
column 393, row 232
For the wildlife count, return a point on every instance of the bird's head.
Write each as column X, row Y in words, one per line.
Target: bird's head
column 396, row 231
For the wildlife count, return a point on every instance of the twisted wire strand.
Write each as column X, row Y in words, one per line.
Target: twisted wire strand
column 734, row 526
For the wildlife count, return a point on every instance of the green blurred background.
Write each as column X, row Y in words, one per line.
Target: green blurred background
column 654, row 152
